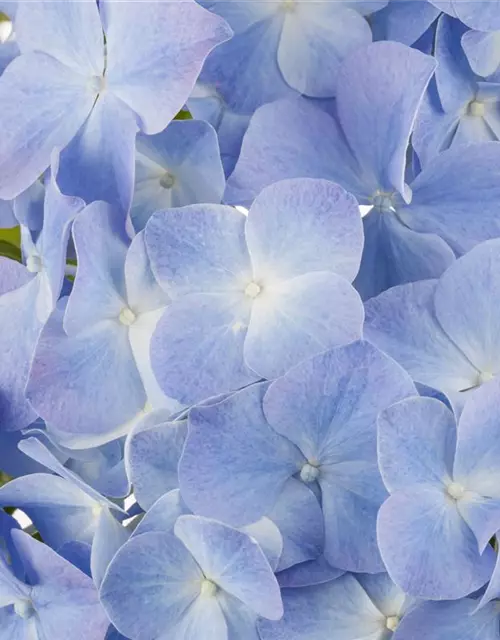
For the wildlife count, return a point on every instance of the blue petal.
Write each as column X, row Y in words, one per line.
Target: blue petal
column 98, row 164
column 298, row 318
column 456, row 197
column 70, row 32
column 308, row 574
column 336, row 610
column 99, row 289
column 483, row 16
column 300, row 226
column 427, row 547
column 44, row 104
column 197, row 348
column 298, row 515
column 178, row 167
column 315, row 38
column 292, row 139
column 380, row 88
column 402, row 323
column 95, row 370
column 153, row 452
column 416, row 444
column 65, row 599
column 109, row 536
column 450, row 621
column 482, row 51
column 162, row 515
column 403, row 21
column 155, row 79
column 206, row 249
column 234, row 562
column 156, row 569
column 233, row 439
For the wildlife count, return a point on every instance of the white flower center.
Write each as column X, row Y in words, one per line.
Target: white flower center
column 127, row 316
column 392, row 623
column 24, row 609
column 288, row 5
column 252, row 290
column 455, row 490
column 476, row 108
column 97, row 84
column 309, row 473
column 383, row 200
column 34, row 263
column 167, row 180
column 208, row 589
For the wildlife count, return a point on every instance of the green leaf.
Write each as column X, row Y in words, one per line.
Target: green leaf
column 183, row 115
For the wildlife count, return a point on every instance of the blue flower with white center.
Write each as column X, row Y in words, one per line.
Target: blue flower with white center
column 281, row 48
column 462, row 107
column 53, row 599
column 444, row 332
column 434, row 529
column 63, row 507
column 94, row 350
column 175, row 168
column 83, row 84
column 204, row 580
column 362, row 606
column 252, row 296
column 412, row 232
column 315, row 428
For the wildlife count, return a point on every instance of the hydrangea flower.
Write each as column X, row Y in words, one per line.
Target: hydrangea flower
column 361, row 606
column 483, row 52
column 97, row 344
column 413, row 231
column 317, row 424
column 434, row 529
column 52, row 600
column 462, row 107
column 204, row 580
column 177, row 167
column 83, row 85
column 252, row 296
column 442, row 331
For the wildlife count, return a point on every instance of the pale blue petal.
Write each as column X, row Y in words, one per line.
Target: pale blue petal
column 456, row 197
column 480, row 15
column 156, row 569
column 94, row 370
column 162, row 516
column 380, row 89
column 298, row 318
column 482, row 51
column 268, row 538
column 64, row 598
column 206, row 249
column 427, row 547
column 99, row 289
column 416, row 444
column 465, row 305
column 395, row 254
column 109, row 536
column 403, row 21
column 155, row 79
column 70, row 32
column 402, row 323
column 315, row 38
column 300, row 226
column 298, row 515
column 450, row 621
column 233, row 439
column 234, row 562
column 44, row 104
column 153, row 451
column 308, row 574
column 292, row 139
column 99, row 162
column 337, row 610
column 197, row 348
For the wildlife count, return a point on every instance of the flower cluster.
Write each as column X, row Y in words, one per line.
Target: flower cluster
column 249, row 328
